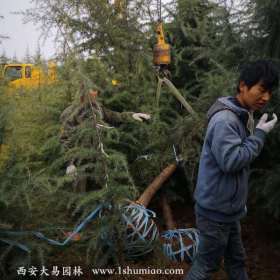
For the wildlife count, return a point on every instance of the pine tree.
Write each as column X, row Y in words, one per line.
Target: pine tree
column 27, row 56
column 3, row 58
column 263, row 29
column 37, row 58
column 14, row 58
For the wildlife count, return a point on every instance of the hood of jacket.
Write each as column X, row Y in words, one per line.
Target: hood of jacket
column 228, row 103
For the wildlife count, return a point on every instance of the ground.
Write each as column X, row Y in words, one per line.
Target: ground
column 261, row 240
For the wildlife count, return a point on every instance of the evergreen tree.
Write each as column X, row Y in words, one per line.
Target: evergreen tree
column 3, row 58
column 37, row 58
column 27, row 57
column 14, row 58
column 264, row 24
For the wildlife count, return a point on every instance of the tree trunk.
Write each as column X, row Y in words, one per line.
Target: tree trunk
column 167, row 213
column 150, row 191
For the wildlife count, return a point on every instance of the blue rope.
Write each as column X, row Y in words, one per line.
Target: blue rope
column 40, row 235
column 15, row 244
column 144, row 232
column 184, row 252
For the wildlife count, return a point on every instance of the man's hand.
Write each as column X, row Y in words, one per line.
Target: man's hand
column 266, row 126
column 141, row 116
column 71, row 170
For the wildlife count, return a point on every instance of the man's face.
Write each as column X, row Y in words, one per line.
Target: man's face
column 93, row 94
column 254, row 98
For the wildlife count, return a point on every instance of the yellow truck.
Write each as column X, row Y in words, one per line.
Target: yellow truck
column 28, row 76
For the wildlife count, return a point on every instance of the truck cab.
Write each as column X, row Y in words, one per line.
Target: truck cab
column 28, row 75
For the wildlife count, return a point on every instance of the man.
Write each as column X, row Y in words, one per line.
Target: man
column 231, row 144
column 74, row 114
column 76, row 119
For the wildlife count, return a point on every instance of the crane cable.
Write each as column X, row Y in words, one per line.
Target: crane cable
column 159, row 9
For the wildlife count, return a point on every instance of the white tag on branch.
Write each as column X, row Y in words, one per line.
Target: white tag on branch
column 71, row 170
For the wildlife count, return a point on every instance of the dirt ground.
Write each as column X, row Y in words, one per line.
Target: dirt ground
column 260, row 237
column 261, row 241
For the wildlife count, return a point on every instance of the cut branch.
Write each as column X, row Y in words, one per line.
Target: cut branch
column 149, row 193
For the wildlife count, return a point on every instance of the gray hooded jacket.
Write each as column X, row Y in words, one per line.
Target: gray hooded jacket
column 228, row 149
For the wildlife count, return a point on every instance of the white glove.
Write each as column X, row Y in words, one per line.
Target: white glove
column 266, row 126
column 71, row 170
column 140, row 116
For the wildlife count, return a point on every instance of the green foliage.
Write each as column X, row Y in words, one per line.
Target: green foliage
column 263, row 35
column 33, row 177
column 208, row 44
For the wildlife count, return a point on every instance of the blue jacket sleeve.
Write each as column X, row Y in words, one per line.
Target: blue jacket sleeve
column 231, row 153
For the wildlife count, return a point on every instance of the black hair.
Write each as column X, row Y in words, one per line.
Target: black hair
column 264, row 71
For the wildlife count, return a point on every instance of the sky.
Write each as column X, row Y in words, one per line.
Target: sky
column 22, row 36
